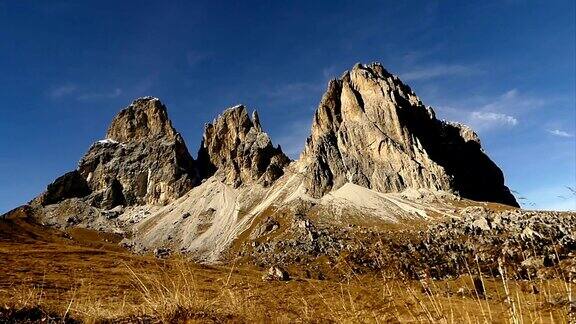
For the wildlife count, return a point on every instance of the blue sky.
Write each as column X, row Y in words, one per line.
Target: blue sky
column 507, row 68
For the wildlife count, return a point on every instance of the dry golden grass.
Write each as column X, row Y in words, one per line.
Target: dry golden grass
column 176, row 290
column 65, row 279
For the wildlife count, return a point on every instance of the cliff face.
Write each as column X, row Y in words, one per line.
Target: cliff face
column 235, row 148
column 371, row 138
column 372, row 130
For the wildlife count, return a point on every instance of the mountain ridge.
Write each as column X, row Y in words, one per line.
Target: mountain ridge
column 375, row 154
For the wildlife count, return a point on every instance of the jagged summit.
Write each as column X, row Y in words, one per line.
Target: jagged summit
column 235, row 147
column 145, row 117
column 256, row 120
column 372, row 130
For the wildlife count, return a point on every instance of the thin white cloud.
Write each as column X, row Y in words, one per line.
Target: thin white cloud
column 143, row 86
column 485, row 113
column 513, row 101
column 493, row 119
column 440, row 70
column 292, row 92
column 295, row 91
column 71, row 90
column 510, row 94
column 559, row 133
column 329, row 72
column 412, row 57
column 62, row 91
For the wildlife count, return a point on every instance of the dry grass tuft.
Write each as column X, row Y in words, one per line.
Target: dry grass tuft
column 179, row 291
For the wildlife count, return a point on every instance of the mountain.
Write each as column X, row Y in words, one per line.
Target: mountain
column 376, row 157
column 372, row 130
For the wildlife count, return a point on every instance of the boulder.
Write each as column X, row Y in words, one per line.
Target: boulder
column 276, row 273
column 162, row 253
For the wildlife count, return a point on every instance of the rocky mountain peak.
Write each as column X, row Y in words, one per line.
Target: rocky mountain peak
column 145, row 118
column 372, row 130
column 143, row 160
column 235, row 148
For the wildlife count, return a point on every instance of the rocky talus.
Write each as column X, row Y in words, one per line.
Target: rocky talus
column 527, row 244
column 372, row 130
column 236, row 148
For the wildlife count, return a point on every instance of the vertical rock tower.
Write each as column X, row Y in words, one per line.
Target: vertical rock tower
column 236, row 148
column 372, row 130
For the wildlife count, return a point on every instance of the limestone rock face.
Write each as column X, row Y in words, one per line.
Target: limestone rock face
column 372, row 130
column 145, row 118
column 142, row 161
column 236, row 149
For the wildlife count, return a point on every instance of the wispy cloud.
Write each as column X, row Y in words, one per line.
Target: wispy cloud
column 329, row 72
column 439, row 70
column 292, row 88
column 294, row 92
column 100, row 95
column 143, row 86
column 493, row 119
column 62, row 91
column 298, row 90
column 514, row 102
column 487, row 113
column 73, row 91
column 559, row 133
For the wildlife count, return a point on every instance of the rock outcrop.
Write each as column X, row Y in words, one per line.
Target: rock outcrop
column 235, row 148
column 372, row 130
